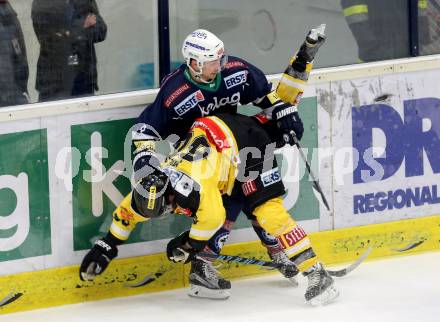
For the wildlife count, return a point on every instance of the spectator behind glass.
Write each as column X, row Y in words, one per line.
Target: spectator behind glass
column 67, row 31
column 14, row 71
column 380, row 28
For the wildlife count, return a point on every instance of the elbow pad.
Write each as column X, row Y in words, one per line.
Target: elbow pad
column 145, row 159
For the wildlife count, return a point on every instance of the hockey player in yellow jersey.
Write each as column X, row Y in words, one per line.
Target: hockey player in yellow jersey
column 160, row 117
column 228, row 154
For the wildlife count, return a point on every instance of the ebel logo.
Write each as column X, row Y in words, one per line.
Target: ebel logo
column 233, row 100
column 249, row 187
column 189, row 102
column 270, row 177
column 236, row 79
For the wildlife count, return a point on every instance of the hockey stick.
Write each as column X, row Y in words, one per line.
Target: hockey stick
column 11, row 297
column 410, row 246
column 315, row 183
column 242, row 260
column 253, row 261
column 352, row 266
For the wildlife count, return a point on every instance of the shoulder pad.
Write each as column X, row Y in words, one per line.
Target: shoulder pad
column 186, row 190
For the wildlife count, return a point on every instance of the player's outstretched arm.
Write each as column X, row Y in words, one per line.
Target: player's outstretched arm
column 294, row 79
column 97, row 259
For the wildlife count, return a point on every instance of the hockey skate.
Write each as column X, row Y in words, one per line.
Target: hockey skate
column 290, row 271
column 205, row 281
column 320, row 289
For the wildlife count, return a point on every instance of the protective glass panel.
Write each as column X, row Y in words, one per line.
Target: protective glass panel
column 267, row 35
column 380, row 28
column 58, row 49
column 429, row 27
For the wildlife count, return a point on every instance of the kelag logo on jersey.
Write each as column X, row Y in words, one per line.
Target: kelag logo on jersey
column 412, row 140
column 189, row 102
column 233, row 100
column 236, row 79
column 270, row 177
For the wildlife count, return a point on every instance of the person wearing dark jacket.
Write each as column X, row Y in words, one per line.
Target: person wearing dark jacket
column 67, row 31
column 380, row 28
column 14, row 71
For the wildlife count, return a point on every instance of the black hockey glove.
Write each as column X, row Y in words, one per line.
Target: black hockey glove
column 177, row 252
column 287, row 118
column 97, row 259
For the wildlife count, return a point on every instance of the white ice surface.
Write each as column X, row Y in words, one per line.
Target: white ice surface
column 404, row 289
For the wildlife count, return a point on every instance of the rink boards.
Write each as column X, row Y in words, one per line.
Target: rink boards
column 372, row 134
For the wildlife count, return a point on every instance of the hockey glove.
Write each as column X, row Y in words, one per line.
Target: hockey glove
column 178, row 251
column 97, row 259
column 307, row 52
column 287, row 118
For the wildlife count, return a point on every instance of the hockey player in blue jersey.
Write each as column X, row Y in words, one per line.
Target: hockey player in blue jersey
column 208, row 83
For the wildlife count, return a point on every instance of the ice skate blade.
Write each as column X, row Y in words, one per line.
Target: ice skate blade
column 326, row 297
column 293, row 281
column 206, row 293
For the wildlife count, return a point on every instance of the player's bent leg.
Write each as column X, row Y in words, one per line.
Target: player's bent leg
column 273, row 217
column 206, row 282
column 204, row 279
column 276, row 253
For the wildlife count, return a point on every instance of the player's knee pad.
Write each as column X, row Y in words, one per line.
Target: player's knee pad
column 266, row 239
column 219, row 239
column 273, row 217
